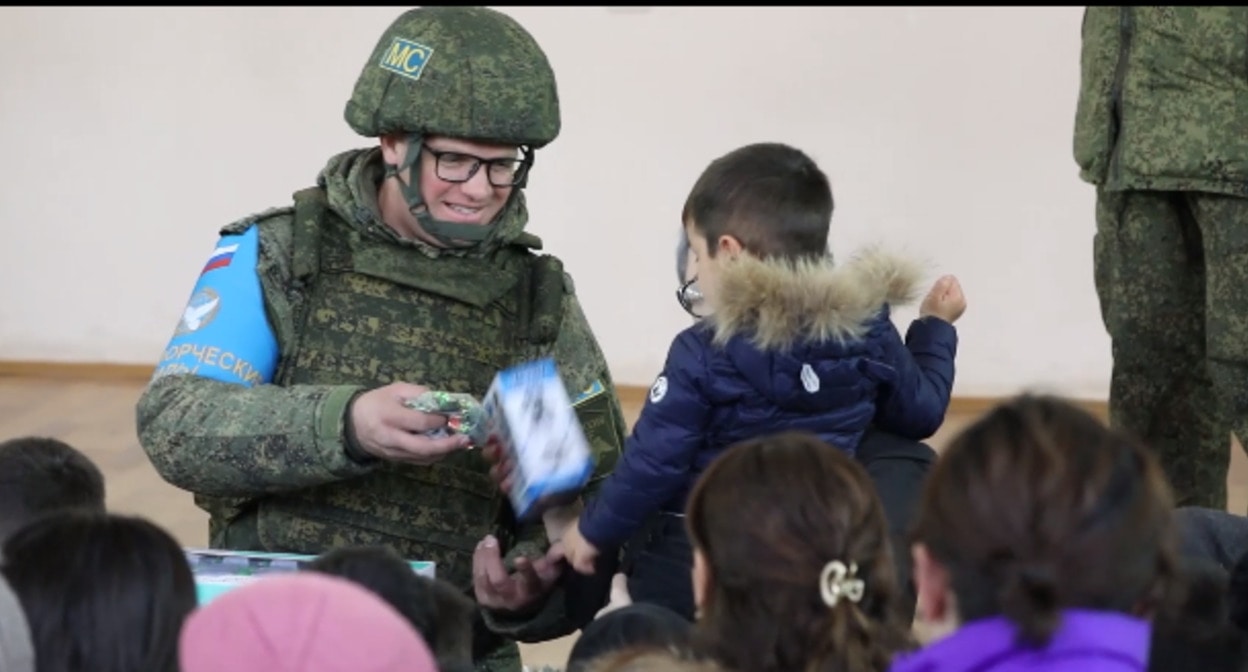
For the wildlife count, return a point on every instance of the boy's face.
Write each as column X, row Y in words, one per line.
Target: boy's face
column 689, row 293
column 705, row 267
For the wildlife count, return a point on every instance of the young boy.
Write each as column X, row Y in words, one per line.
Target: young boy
column 788, row 341
column 40, row 475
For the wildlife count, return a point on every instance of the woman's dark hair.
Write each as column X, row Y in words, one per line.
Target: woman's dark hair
column 1039, row 507
column 102, row 592
column 768, row 516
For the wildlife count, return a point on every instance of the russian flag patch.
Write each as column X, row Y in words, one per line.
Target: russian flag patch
column 220, row 258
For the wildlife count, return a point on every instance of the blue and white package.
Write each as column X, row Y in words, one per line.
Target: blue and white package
column 529, row 414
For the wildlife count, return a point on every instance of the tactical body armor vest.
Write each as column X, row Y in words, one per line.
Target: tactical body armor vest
column 369, row 312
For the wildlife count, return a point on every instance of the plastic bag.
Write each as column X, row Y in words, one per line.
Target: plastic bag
column 463, row 411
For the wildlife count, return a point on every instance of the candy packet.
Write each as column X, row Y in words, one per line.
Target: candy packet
column 463, row 412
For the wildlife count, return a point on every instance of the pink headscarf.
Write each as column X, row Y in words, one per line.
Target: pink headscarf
column 301, row 622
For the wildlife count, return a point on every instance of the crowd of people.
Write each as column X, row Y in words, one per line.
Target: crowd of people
column 775, row 506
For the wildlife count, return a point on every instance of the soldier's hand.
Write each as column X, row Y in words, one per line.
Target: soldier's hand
column 387, row 429
column 497, row 590
column 501, row 465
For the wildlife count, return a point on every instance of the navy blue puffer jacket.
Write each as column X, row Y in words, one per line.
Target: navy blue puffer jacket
column 807, row 346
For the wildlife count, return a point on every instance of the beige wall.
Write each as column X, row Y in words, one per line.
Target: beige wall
column 131, row 135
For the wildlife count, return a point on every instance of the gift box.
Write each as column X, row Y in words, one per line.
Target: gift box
column 528, row 413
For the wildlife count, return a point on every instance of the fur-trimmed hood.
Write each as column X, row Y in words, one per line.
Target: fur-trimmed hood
column 779, row 303
column 710, row 397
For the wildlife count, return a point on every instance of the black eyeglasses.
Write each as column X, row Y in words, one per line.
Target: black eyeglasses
column 458, row 167
column 689, row 295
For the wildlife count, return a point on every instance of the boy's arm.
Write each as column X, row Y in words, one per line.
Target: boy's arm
column 916, row 396
column 576, row 598
column 659, row 453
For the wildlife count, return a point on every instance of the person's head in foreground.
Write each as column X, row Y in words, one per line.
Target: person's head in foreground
column 302, row 622
column 792, row 564
column 17, row 651
column 1196, row 633
column 102, row 592
column 39, row 475
column 649, row 658
column 630, row 626
column 1042, row 535
column 440, row 613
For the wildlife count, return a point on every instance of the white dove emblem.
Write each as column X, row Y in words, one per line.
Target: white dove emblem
column 199, row 312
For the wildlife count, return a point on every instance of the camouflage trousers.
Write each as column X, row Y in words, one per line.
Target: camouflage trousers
column 1171, row 274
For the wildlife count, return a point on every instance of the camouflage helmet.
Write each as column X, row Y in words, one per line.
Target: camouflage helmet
column 463, row 72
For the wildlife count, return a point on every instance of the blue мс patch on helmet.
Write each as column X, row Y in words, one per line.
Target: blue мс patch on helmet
column 406, row 58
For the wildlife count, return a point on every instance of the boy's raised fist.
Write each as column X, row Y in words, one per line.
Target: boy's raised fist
column 945, row 300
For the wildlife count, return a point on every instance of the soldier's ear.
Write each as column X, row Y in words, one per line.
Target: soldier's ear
column 393, row 148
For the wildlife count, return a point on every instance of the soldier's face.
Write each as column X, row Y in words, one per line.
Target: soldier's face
column 475, row 201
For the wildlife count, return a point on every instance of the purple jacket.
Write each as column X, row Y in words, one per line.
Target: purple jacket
column 1086, row 641
column 810, row 348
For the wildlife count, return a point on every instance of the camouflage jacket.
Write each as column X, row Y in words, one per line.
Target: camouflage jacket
column 1163, row 99
column 217, row 419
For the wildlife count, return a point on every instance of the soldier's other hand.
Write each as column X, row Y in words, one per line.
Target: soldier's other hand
column 385, row 428
column 498, row 590
column 501, row 465
column 945, row 300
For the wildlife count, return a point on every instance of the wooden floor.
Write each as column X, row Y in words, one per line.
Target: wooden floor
column 98, row 418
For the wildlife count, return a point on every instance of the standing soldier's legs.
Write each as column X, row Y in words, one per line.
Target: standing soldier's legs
column 1150, row 280
column 1224, row 226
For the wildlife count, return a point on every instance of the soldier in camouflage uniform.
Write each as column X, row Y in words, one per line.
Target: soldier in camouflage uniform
column 1162, row 131
column 280, row 401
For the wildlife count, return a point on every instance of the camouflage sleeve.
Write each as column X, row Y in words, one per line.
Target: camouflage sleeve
column 597, row 403
column 576, row 599
column 211, row 420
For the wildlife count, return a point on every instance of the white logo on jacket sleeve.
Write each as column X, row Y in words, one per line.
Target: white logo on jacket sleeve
column 199, row 312
column 658, row 390
column 810, row 379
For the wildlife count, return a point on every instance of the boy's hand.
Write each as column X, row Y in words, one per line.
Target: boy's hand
column 579, row 553
column 559, row 519
column 945, row 301
column 619, row 596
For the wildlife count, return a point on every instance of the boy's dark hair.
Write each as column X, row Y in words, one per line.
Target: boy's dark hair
column 41, row 475
column 770, row 196
column 637, row 624
column 440, row 613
